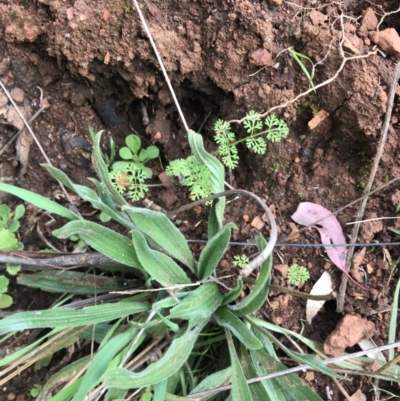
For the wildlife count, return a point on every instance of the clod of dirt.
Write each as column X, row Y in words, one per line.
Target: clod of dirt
column 282, row 269
column 368, row 23
column 349, row 331
column 261, row 58
column 258, row 223
column 18, row 95
column 358, row 396
column 370, row 228
column 77, row 150
column 388, row 40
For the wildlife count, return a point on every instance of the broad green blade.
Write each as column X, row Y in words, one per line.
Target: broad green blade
column 101, row 362
column 213, row 223
column 74, row 282
column 257, row 390
column 259, row 325
column 157, row 264
column 71, row 318
column 161, row 230
column 200, row 303
column 176, row 355
column 291, row 385
column 240, row 389
column 214, row 380
column 7, row 360
column 227, row 319
column 89, row 195
column 39, row 201
column 115, row 394
column 217, row 173
column 306, row 359
column 234, row 292
column 101, row 169
column 212, row 253
column 102, row 239
column 258, row 295
column 159, row 390
column 393, row 320
column 61, row 377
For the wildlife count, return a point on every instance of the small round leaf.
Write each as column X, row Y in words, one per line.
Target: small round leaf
column 152, row 152
column 133, row 142
column 125, row 153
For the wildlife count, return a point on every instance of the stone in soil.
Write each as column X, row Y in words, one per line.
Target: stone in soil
column 388, row 40
column 348, row 332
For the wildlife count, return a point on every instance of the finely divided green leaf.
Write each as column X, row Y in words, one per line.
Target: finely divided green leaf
column 161, row 230
column 71, row 318
column 39, row 201
column 200, row 303
column 158, row 265
column 176, row 355
column 226, row 318
column 102, row 239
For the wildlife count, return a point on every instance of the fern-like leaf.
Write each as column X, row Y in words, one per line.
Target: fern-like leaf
column 252, row 122
column 258, row 145
column 193, row 175
column 277, row 129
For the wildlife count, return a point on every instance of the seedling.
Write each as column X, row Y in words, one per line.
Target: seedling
column 133, row 154
column 192, row 174
column 9, row 224
column 297, row 274
column 131, row 179
column 298, row 57
column 129, row 176
column 272, row 129
column 240, row 261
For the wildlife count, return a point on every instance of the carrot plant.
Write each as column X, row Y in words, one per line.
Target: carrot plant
column 180, row 309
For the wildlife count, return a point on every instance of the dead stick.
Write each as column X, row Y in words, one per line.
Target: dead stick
column 360, row 214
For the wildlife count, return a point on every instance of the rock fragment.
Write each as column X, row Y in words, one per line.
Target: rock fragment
column 369, row 23
column 261, row 58
column 348, row 332
column 388, row 40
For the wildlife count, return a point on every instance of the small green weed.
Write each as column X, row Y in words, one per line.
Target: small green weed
column 240, row 261
column 299, row 57
column 9, row 224
column 271, row 128
column 297, row 274
column 133, row 153
column 129, row 175
column 192, row 174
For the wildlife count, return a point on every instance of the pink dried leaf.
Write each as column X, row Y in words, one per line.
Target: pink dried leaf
column 330, row 230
